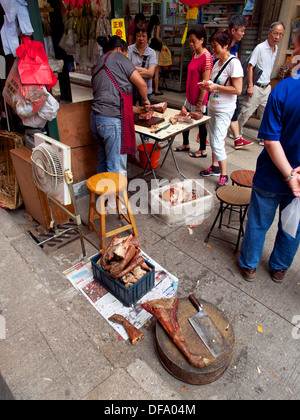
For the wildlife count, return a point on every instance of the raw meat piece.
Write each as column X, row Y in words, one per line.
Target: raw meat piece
column 146, row 115
column 165, row 311
column 185, row 120
column 128, row 257
column 135, row 335
column 161, row 107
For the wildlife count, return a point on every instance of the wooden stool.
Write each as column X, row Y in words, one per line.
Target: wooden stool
column 243, row 178
column 104, row 185
column 232, row 196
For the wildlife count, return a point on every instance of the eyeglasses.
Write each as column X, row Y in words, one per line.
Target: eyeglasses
column 243, row 31
column 280, row 34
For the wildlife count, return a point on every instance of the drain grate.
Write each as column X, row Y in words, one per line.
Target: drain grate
column 40, row 234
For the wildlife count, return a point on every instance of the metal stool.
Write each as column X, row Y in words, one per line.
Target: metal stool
column 232, row 196
column 104, row 185
column 243, row 178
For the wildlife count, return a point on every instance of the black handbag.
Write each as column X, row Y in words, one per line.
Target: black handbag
column 257, row 72
column 155, row 44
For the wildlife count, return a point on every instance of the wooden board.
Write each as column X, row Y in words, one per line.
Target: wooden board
column 174, row 361
column 148, row 123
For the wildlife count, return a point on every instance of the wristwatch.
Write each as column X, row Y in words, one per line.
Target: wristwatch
column 289, row 177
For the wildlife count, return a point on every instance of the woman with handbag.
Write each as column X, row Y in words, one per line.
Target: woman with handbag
column 199, row 69
column 226, row 84
column 156, row 44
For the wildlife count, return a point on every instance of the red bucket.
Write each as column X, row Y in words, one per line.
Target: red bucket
column 143, row 157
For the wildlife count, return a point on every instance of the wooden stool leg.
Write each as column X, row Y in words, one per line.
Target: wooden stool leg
column 91, row 210
column 130, row 215
column 119, row 207
column 102, row 221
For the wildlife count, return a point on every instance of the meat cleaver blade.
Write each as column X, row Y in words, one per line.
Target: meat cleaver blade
column 207, row 330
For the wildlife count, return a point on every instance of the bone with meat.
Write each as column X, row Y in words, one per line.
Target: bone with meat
column 128, row 257
column 135, row 335
column 122, row 260
column 136, row 260
column 165, row 311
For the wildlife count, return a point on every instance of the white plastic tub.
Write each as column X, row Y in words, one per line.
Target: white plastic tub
column 183, row 213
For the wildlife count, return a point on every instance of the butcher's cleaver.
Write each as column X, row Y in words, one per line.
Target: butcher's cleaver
column 207, row 330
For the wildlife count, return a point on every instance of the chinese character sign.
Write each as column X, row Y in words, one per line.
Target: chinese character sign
column 118, row 28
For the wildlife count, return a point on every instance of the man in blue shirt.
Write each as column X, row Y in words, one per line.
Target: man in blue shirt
column 276, row 182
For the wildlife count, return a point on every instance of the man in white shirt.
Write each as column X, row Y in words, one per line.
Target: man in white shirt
column 264, row 55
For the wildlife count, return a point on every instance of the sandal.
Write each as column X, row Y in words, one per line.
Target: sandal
column 158, row 93
column 178, row 149
column 202, row 155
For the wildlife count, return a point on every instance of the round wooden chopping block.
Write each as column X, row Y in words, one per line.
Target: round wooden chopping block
column 175, row 362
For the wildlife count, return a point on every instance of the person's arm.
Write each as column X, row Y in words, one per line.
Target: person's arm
column 278, row 156
column 140, row 83
column 157, row 34
column 146, row 73
column 235, row 89
column 250, row 89
column 205, row 76
column 130, row 39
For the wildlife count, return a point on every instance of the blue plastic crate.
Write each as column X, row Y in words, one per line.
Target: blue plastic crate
column 127, row 295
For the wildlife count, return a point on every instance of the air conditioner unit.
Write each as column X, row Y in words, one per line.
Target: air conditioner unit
column 51, row 160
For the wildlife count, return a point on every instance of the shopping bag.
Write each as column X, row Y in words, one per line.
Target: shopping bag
column 290, row 217
column 33, row 64
column 165, row 57
column 26, row 100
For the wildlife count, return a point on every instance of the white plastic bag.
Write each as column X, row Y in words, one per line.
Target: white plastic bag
column 290, row 217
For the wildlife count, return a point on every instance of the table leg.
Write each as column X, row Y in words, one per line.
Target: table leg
column 148, row 157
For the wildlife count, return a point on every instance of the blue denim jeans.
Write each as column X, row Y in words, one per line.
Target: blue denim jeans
column 261, row 214
column 108, row 132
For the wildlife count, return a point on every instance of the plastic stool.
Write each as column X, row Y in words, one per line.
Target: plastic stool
column 232, row 196
column 104, row 185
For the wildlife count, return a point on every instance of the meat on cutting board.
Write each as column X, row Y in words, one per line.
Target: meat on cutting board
column 146, row 115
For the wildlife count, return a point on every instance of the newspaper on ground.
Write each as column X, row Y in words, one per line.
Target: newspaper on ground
column 81, row 277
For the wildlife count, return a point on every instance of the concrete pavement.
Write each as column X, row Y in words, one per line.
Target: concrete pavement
column 57, row 346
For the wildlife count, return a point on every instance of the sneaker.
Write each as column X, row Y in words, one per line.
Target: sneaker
column 278, row 275
column 261, row 143
column 211, row 171
column 239, row 143
column 223, row 181
column 248, row 274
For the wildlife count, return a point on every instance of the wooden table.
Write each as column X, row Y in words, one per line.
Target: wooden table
column 168, row 135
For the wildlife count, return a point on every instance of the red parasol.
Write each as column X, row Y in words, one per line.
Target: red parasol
column 195, row 3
